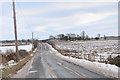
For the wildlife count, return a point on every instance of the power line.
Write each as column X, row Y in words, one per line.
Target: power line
column 21, row 12
column 24, row 20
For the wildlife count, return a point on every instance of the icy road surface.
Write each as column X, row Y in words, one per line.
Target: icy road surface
column 48, row 65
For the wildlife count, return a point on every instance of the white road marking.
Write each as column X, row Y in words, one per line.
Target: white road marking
column 59, row 63
column 32, row 71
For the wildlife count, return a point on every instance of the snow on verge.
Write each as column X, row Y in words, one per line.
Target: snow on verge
column 5, row 48
column 2, row 66
column 100, row 68
column 12, row 63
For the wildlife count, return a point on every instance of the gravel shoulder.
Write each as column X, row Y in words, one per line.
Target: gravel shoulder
column 23, row 72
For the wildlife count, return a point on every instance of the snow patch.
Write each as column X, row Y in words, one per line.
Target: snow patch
column 31, row 54
column 3, row 49
column 12, row 63
column 2, row 66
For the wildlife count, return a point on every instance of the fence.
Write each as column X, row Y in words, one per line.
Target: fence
column 90, row 57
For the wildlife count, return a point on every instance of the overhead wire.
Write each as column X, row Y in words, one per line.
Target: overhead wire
column 20, row 11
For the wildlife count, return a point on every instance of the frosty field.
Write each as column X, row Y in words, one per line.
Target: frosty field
column 95, row 50
column 3, row 49
column 102, row 68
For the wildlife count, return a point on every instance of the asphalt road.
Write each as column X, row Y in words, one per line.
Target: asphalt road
column 47, row 65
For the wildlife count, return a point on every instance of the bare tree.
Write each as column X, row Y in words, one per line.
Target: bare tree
column 83, row 35
column 104, row 36
column 87, row 37
column 98, row 35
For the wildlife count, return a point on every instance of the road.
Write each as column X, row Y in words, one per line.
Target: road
column 47, row 65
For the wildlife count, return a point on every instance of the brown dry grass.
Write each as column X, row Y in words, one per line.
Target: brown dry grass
column 15, row 68
column 101, row 61
column 114, row 53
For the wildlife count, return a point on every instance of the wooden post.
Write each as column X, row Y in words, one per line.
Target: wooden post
column 84, row 56
column 94, row 57
column 100, row 57
column 89, row 57
column 15, row 31
column 32, row 42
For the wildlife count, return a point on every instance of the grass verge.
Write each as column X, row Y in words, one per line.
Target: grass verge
column 12, row 70
column 7, row 72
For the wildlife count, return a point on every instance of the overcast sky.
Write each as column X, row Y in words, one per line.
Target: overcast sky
column 52, row 18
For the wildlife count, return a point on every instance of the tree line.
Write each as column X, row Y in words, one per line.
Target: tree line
column 72, row 37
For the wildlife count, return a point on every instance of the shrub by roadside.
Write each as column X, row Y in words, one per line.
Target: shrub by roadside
column 35, row 43
column 24, row 57
column 8, row 57
column 23, row 53
column 12, row 56
column 115, row 60
column 7, row 72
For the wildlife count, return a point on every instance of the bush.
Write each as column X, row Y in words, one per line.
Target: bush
column 4, row 60
column 23, row 53
column 115, row 61
column 96, row 38
column 8, row 57
column 35, row 42
column 13, row 56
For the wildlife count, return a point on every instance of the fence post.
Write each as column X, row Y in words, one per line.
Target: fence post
column 84, row 56
column 100, row 57
column 94, row 57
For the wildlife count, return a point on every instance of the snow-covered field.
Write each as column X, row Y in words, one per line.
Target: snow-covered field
column 3, row 49
column 97, row 50
column 101, row 68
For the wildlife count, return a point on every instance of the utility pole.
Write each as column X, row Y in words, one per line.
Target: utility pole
column 32, row 41
column 15, row 31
